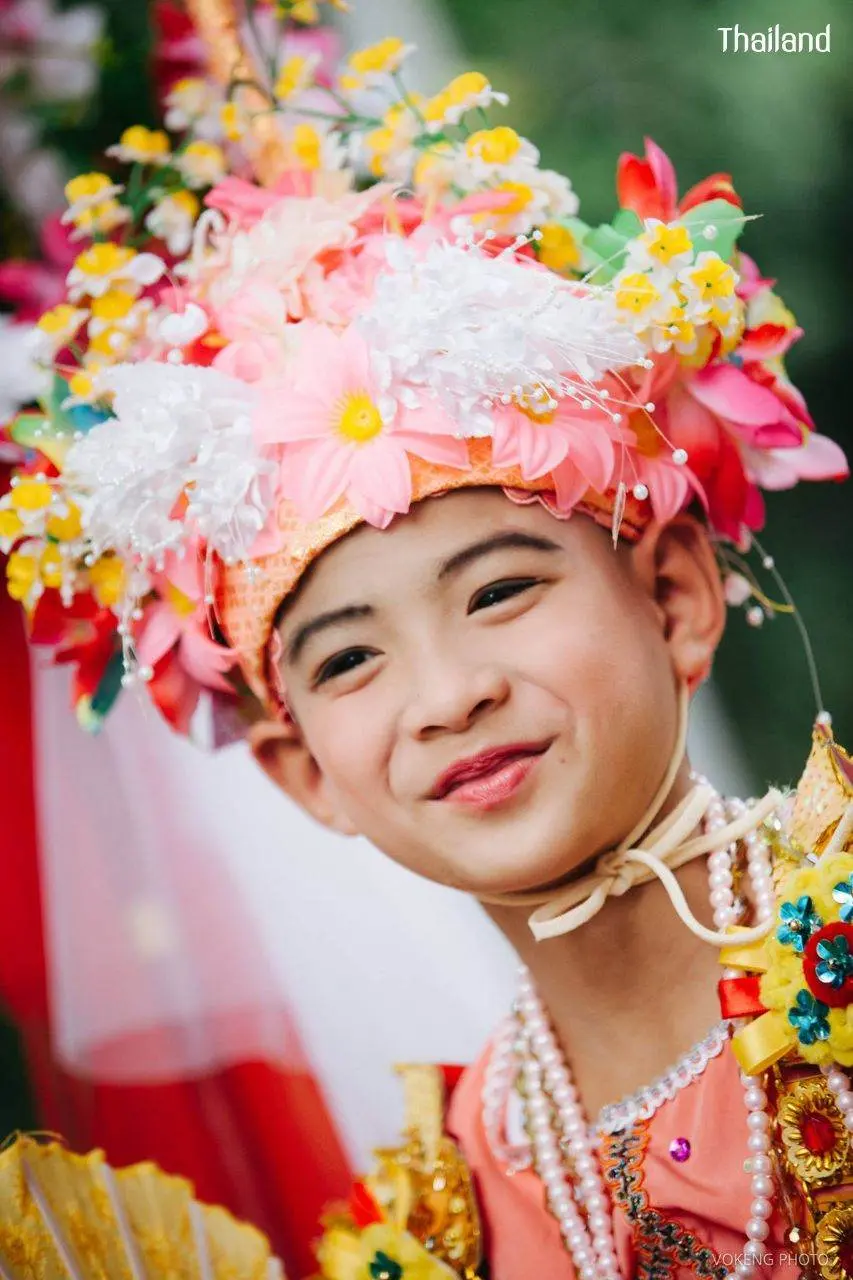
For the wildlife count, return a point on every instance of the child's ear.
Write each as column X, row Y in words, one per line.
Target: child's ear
column 282, row 753
column 677, row 565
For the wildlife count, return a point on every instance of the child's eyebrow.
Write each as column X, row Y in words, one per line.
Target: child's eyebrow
column 495, row 542
column 453, row 564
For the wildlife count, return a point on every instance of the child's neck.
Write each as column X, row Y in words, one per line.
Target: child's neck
column 630, row 990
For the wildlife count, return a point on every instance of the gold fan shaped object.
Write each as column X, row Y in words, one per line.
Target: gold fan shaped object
column 70, row 1217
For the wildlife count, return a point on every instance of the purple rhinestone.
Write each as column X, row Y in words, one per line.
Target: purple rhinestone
column 679, row 1149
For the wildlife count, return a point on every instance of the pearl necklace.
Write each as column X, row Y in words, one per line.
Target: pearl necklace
column 563, row 1146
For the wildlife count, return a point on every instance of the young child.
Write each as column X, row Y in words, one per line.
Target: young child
column 454, row 492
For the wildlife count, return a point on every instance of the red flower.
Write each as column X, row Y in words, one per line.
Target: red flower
column 649, row 188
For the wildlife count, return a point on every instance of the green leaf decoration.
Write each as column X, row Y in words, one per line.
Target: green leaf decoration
column 727, row 221
column 627, row 223
column 109, row 687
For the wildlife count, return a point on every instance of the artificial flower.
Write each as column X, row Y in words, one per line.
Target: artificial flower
column 798, row 921
column 648, row 186
column 108, row 266
column 463, row 94
column 379, row 1249
column 139, row 145
column 201, row 164
column 190, row 102
column 367, row 66
column 296, row 75
column 172, row 220
column 339, row 436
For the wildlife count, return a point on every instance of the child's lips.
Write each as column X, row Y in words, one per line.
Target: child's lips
column 476, row 775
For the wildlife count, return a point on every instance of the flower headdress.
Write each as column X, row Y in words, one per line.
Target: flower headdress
column 409, row 303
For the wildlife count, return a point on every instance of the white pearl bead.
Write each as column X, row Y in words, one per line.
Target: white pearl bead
column 760, row 1207
column 844, row 1099
column 758, row 1120
column 758, row 1142
column 837, row 1081
column 761, row 1185
column 757, row 1229
column 744, row 1268
column 848, row 1122
column 755, row 1099
column 760, row 1164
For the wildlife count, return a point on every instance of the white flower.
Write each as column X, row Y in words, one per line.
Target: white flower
column 172, row 220
column 179, row 328
column 201, row 164
column 178, row 432
column 192, row 103
column 474, row 330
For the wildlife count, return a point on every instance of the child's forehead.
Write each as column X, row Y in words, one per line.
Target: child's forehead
column 436, row 534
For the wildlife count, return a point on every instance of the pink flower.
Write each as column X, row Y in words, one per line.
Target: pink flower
column 339, row 436
column 32, row 287
column 574, row 444
column 174, row 636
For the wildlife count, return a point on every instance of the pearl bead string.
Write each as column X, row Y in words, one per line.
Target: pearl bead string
column 564, row 1145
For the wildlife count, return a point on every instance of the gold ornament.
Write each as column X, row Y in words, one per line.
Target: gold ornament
column 810, row 1104
column 834, row 1244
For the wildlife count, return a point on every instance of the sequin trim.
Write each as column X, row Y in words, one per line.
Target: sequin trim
column 664, row 1248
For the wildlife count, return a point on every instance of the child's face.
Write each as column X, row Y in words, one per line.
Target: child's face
column 553, row 640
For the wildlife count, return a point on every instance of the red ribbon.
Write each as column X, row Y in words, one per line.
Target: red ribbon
column 740, row 997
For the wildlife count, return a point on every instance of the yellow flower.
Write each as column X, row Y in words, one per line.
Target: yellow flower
column 306, row 146
column 296, row 75
column 234, row 120
column 172, row 220
column 202, row 164
column 87, row 186
column 11, row 527
column 187, row 102
column 709, row 278
column 110, row 344
column 344, row 1254
column 366, row 65
column 82, row 386
column 142, row 146
column 107, row 580
column 30, row 494
column 22, row 576
column 60, row 324
column 494, row 146
column 471, row 89
column 51, row 566
column 663, row 243
column 67, row 527
column 113, row 305
column 636, row 293
column 434, row 168
column 103, row 266
column 557, row 248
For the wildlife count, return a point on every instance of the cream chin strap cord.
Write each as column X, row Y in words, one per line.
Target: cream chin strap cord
column 665, row 848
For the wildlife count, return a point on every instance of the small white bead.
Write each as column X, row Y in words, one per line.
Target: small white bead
column 758, row 1142
column 641, row 491
column 758, row 1121
column 844, row 1099
column 761, row 1185
column 679, row 457
column 760, row 1207
column 757, row 1229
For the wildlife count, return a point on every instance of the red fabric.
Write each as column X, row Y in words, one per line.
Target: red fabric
column 252, row 1138
column 740, row 997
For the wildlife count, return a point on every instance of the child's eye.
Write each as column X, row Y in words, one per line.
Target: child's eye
column 340, row 663
column 499, row 591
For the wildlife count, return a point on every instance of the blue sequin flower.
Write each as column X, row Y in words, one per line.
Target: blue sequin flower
column 843, row 893
column 809, row 1018
column 835, row 963
column 799, row 921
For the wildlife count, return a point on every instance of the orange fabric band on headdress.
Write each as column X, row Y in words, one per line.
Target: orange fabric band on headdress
column 247, row 602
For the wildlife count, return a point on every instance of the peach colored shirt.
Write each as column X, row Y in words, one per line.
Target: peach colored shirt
column 671, row 1220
